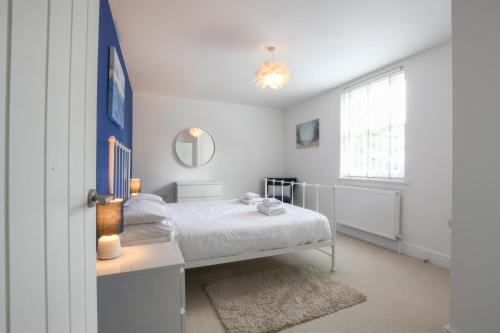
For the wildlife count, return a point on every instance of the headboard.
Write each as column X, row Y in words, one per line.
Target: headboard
column 120, row 158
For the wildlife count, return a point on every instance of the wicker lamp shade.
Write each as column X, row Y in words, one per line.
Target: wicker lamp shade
column 135, row 186
column 109, row 218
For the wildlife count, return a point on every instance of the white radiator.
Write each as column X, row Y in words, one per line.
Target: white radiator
column 371, row 210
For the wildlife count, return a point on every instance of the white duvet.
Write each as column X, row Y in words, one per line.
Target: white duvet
column 210, row 229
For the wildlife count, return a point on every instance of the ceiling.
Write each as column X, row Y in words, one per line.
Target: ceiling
column 210, row 49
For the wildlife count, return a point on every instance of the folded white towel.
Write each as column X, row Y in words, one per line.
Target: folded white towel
column 271, row 211
column 246, row 201
column 251, row 195
column 272, row 202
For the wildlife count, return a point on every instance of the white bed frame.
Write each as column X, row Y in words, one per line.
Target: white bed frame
column 119, row 186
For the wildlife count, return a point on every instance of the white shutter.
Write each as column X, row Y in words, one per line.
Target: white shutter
column 373, row 117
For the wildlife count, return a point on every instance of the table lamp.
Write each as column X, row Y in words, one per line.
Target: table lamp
column 135, row 186
column 109, row 219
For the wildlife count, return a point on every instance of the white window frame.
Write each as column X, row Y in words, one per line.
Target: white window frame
column 353, row 85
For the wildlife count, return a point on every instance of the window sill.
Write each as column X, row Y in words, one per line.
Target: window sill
column 374, row 180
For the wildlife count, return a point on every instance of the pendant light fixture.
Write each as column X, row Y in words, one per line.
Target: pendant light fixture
column 273, row 73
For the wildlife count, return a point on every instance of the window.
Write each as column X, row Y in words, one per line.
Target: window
column 373, row 116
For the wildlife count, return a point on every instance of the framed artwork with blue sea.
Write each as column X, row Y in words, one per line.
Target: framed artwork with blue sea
column 116, row 89
column 308, row 134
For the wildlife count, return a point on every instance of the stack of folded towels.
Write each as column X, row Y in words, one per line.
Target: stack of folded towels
column 250, row 198
column 271, row 207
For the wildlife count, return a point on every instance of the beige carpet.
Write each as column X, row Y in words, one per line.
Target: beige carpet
column 272, row 300
column 404, row 294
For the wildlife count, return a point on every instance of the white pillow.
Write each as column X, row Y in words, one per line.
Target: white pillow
column 145, row 196
column 287, row 190
column 144, row 211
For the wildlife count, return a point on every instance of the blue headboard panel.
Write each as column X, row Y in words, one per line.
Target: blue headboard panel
column 105, row 127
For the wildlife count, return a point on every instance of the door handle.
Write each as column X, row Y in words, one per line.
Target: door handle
column 93, row 198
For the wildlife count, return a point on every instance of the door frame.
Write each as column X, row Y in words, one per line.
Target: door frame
column 4, row 62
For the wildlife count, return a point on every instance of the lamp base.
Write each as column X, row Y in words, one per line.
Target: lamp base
column 109, row 247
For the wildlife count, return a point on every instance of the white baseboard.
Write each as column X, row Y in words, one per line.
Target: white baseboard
column 437, row 258
column 411, row 250
column 448, row 329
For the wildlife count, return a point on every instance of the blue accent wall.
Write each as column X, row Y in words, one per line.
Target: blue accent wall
column 105, row 127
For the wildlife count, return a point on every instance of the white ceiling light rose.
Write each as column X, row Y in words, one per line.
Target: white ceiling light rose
column 273, row 73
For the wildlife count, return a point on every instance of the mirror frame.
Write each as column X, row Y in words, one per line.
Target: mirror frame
column 175, row 150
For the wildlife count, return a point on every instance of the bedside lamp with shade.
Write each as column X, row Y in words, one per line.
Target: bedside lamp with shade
column 135, row 186
column 109, row 219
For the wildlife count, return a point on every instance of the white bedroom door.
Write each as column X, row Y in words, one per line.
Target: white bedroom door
column 50, row 159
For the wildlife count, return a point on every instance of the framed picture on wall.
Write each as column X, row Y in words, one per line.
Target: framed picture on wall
column 308, row 134
column 116, row 89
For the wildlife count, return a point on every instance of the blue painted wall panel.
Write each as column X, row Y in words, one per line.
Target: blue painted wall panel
column 105, row 127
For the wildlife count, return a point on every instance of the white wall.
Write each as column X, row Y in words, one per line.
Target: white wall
column 475, row 267
column 249, row 143
column 426, row 199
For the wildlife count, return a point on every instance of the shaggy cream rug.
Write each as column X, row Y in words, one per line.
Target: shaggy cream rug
column 273, row 300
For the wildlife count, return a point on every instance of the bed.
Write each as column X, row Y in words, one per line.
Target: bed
column 222, row 231
column 210, row 232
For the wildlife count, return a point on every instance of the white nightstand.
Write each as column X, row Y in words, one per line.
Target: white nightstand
column 142, row 290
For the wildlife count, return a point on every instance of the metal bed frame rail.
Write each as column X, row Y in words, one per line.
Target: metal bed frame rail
column 316, row 188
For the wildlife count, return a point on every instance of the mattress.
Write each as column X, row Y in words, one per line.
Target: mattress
column 211, row 229
column 148, row 233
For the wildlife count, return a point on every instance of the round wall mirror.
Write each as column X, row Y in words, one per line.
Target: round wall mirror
column 194, row 147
